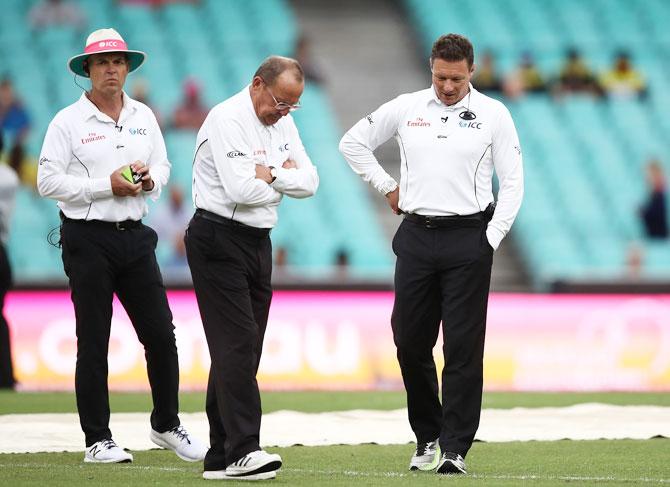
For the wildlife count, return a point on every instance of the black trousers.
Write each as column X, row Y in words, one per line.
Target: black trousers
column 231, row 265
column 442, row 275
column 7, row 380
column 101, row 260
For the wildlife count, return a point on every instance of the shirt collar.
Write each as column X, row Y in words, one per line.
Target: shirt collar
column 467, row 99
column 249, row 105
column 88, row 108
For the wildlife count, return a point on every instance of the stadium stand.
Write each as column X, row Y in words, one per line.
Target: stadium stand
column 221, row 48
column 583, row 157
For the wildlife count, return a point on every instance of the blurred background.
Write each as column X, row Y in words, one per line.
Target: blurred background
column 587, row 82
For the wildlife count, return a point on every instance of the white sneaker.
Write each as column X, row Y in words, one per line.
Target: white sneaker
column 257, row 465
column 106, row 451
column 426, row 457
column 184, row 445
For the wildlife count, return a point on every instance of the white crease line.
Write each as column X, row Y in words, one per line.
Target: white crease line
column 354, row 473
column 82, row 466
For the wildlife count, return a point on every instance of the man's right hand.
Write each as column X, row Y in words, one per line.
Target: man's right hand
column 392, row 199
column 121, row 186
column 263, row 173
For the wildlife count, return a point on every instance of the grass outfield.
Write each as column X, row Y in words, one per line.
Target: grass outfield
column 613, row 462
column 316, row 401
column 622, row 462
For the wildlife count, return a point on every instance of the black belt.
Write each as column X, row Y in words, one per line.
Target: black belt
column 473, row 220
column 124, row 225
column 445, row 221
column 229, row 222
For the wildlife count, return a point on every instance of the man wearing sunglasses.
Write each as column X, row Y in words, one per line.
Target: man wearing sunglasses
column 248, row 156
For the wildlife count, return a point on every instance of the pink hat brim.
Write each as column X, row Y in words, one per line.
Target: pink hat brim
column 76, row 63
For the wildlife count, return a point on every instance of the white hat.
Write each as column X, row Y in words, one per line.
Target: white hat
column 105, row 40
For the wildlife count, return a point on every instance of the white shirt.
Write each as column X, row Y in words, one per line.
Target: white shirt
column 84, row 146
column 229, row 145
column 446, row 162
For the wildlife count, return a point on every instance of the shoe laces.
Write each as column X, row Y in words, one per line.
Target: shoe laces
column 422, row 448
column 107, row 444
column 181, row 433
column 452, row 456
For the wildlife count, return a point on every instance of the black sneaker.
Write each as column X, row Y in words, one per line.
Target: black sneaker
column 451, row 463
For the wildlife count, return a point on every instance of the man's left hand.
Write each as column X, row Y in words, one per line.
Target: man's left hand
column 140, row 168
column 392, row 198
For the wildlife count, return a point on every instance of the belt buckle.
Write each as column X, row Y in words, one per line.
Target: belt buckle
column 119, row 226
column 430, row 223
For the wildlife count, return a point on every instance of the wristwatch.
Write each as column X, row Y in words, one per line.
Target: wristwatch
column 273, row 173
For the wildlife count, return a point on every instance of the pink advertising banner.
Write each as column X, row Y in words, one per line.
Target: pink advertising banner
column 343, row 340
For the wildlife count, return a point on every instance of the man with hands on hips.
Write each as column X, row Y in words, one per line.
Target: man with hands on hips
column 451, row 138
column 106, row 249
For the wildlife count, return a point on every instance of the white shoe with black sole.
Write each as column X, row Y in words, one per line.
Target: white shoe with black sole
column 256, row 465
column 451, row 463
column 106, row 451
column 426, row 456
column 221, row 475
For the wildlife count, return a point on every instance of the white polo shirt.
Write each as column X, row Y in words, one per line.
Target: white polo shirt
column 229, row 145
column 84, row 146
column 447, row 162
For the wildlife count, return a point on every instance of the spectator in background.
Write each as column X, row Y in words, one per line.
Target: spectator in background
column 170, row 221
column 15, row 124
column 486, row 78
column 56, row 12
column 634, row 261
column 303, row 55
column 281, row 269
column 281, row 257
column 157, row 3
column 342, row 263
column 9, row 183
column 191, row 113
column 526, row 78
column 140, row 92
column 623, row 80
column 654, row 212
column 576, row 77
column 14, row 118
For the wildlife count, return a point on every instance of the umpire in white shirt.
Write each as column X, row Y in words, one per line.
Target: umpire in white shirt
column 248, row 155
column 451, row 139
column 106, row 248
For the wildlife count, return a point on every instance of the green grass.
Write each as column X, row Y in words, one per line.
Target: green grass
column 614, row 462
column 316, row 401
column 623, row 462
